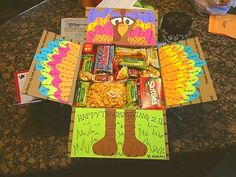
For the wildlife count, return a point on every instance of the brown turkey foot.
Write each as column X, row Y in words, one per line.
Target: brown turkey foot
column 132, row 147
column 106, row 146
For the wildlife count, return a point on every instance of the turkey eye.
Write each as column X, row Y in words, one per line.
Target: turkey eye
column 128, row 20
column 117, row 20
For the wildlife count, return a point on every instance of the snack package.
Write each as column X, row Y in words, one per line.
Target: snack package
column 87, row 63
column 115, row 69
column 82, row 93
column 150, row 72
column 104, row 57
column 87, row 48
column 134, row 58
column 123, row 73
column 133, row 62
column 121, row 51
column 102, row 77
column 151, row 95
column 132, row 93
column 133, row 72
column 107, row 95
column 85, row 76
column 153, row 57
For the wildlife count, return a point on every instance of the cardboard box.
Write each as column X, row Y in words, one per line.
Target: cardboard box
column 123, row 133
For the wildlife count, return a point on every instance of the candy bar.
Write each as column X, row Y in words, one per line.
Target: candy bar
column 122, row 51
column 134, row 58
column 81, row 95
column 132, row 93
column 104, row 58
column 87, row 63
column 133, row 62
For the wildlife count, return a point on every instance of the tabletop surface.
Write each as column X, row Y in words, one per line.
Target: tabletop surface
column 34, row 137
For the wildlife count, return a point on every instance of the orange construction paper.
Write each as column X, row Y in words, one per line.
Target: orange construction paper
column 224, row 25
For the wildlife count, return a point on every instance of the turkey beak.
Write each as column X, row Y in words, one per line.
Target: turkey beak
column 122, row 28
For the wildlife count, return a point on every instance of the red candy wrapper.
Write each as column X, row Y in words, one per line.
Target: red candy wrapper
column 133, row 72
column 87, row 48
column 151, row 94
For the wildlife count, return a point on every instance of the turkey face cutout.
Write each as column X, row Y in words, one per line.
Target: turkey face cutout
column 124, row 27
column 122, row 22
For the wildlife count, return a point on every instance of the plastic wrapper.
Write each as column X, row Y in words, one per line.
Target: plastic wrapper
column 133, row 73
column 122, row 51
column 153, row 57
column 133, row 58
column 85, row 76
column 150, row 72
column 104, row 58
column 151, row 95
column 123, row 73
column 115, row 69
column 132, row 93
column 102, row 77
column 87, row 48
column 107, row 95
column 215, row 7
column 133, row 62
column 87, row 63
column 82, row 93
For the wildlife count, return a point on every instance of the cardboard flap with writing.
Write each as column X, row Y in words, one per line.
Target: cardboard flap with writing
column 32, row 84
column 206, row 89
column 88, row 126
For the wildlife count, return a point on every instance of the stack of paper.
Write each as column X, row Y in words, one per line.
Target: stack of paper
column 224, row 25
column 73, row 28
column 117, row 4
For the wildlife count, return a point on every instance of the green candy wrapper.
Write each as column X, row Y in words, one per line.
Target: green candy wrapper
column 132, row 93
column 88, row 63
column 81, row 94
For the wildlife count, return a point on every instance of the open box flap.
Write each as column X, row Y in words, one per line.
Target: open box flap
column 88, row 126
column 127, row 27
column 39, row 79
column 206, row 89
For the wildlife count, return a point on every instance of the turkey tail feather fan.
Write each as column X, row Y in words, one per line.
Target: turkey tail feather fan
column 181, row 69
column 57, row 65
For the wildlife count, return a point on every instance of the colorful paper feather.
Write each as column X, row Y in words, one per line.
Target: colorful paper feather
column 101, row 31
column 57, row 64
column 181, row 69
